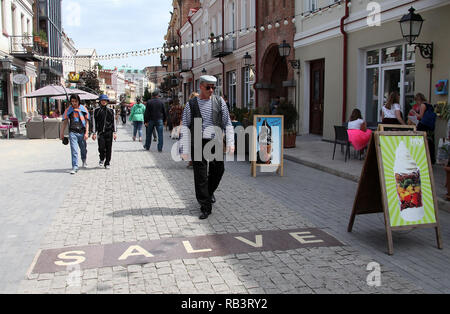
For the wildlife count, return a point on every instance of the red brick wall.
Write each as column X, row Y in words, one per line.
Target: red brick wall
column 107, row 76
column 186, row 5
column 272, row 11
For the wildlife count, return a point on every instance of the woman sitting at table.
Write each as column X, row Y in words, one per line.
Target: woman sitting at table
column 358, row 134
column 391, row 113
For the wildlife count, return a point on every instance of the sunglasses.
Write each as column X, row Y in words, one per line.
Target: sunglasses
column 208, row 88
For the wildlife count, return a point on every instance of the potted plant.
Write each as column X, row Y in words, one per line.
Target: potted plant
column 43, row 36
column 36, row 37
column 288, row 110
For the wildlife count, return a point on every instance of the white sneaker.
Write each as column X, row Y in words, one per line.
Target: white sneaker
column 107, row 167
column 74, row 171
column 84, row 166
column 101, row 163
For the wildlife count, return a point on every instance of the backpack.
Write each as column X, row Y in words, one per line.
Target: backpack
column 429, row 118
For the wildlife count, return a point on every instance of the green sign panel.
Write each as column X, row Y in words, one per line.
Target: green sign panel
column 408, row 184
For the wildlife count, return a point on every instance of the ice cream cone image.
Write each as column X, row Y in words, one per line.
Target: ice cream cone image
column 409, row 187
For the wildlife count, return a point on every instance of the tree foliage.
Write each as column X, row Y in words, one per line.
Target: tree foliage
column 90, row 80
column 147, row 95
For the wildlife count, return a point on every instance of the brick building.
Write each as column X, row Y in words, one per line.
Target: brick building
column 275, row 76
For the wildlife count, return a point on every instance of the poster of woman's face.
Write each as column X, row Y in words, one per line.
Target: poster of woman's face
column 268, row 140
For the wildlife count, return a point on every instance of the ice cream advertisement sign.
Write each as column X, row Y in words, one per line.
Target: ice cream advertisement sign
column 408, row 183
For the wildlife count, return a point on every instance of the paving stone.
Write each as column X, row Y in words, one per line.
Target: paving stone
column 164, row 207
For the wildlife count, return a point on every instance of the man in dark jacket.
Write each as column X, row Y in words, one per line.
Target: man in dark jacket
column 105, row 127
column 155, row 116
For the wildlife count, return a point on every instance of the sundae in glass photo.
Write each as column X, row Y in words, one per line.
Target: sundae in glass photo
column 409, row 188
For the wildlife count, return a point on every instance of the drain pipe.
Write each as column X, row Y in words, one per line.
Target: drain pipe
column 345, row 61
column 256, row 55
column 192, row 64
column 223, row 43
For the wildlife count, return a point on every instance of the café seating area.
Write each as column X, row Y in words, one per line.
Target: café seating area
column 39, row 128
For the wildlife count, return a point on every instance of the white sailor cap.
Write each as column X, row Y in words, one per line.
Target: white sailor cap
column 208, row 79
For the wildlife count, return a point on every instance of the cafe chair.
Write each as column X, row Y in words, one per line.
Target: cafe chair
column 6, row 127
column 341, row 138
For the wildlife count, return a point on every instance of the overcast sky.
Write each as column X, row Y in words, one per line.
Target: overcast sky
column 117, row 26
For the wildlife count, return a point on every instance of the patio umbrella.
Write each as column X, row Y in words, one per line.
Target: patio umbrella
column 51, row 91
column 83, row 95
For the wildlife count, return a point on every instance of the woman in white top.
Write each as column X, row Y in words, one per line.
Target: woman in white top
column 391, row 112
column 358, row 134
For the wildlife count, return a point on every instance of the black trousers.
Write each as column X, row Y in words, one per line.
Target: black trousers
column 105, row 141
column 431, row 143
column 124, row 119
column 207, row 176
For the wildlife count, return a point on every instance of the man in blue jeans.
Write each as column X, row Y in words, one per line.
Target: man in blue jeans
column 77, row 117
column 155, row 117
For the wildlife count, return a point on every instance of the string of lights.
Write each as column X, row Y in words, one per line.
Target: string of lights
column 202, row 42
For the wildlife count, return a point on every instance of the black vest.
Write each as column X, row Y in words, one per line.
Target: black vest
column 217, row 112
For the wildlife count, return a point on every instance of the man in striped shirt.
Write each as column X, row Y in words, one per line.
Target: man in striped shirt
column 213, row 113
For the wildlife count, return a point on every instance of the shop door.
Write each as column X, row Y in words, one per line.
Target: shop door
column 3, row 99
column 317, row 96
column 392, row 82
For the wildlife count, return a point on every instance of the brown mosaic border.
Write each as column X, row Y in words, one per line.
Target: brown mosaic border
column 144, row 252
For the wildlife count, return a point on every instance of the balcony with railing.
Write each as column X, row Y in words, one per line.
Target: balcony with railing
column 169, row 48
column 25, row 48
column 222, row 48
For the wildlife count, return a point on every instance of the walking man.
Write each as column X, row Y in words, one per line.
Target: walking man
column 105, row 129
column 77, row 118
column 213, row 112
column 155, row 117
column 124, row 112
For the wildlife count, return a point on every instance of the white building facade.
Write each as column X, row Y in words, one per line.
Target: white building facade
column 69, row 53
column 379, row 60
column 215, row 40
column 16, row 44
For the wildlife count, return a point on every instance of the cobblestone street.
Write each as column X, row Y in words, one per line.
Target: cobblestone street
column 147, row 196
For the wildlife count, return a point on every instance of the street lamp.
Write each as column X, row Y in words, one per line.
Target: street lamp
column 43, row 77
column 411, row 26
column 247, row 60
column 284, row 49
column 6, row 64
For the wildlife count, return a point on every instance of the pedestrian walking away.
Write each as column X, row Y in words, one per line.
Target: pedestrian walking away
column 105, row 130
column 76, row 117
column 175, row 114
column 155, row 117
column 137, row 117
column 213, row 112
column 124, row 113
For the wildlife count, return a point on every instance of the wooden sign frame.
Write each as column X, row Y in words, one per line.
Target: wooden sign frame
column 372, row 198
column 255, row 165
column 396, row 128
